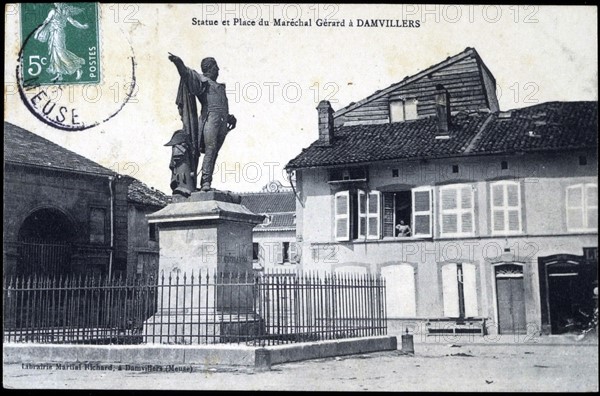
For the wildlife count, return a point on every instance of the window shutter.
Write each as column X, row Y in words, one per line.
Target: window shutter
column 450, row 291
column 410, row 109
column 342, row 216
column 470, row 290
column 362, row 214
column 396, row 110
column 456, row 210
column 279, row 248
column 400, row 290
column 468, row 209
column 422, row 211
column 506, row 207
column 294, row 254
column 388, row 214
column 513, row 213
column 449, row 202
column 374, row 215
column 591, row 199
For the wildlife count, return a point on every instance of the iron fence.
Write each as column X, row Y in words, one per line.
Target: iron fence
column 258, row 309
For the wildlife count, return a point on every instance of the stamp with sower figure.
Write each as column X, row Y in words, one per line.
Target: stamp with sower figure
column 61, row 76
column 62, row 43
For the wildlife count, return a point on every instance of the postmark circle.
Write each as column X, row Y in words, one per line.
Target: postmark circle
column 63, row 76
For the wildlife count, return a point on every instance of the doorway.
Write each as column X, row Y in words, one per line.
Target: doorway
column 566, row 293
column 510, row 296
column 45, row 244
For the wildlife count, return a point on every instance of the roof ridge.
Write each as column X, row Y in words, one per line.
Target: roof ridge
column 479, row 133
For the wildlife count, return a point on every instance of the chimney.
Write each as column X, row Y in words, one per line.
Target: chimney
column 442, row 109
column 325, row 123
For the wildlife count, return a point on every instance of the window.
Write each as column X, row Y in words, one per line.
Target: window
column 506, row 207
column 357, row 215
column 371, row 215
column 347, row 174
column 582, row 207
column 454, row 168
column 504, row 165
column 97, row 225
column 459, row 288
column 286, row 252
column 152, row 232
column 456, row 210
column 403, row 110
column 255, row 248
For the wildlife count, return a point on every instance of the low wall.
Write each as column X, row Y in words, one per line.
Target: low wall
column 196, row 355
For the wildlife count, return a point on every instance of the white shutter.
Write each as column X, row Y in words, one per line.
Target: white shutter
column 506, row 207
column 470, row 290
column 342, row 216
column 400, row 290
column 362, row 214
column 448, row 202
column 422, row 211
column 591, row 205
column 450, row 290
column 374, row 215
column 513, row 209
column 279, row 247
column 467, row 210
column 456, row 210
column 575, row 207
column 294, row 254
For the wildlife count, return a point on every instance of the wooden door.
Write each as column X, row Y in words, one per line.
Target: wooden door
column 510, row 295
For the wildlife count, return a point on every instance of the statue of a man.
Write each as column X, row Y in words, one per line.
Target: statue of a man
column 206, row 133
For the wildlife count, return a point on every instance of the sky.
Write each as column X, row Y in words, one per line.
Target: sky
column 276, row 75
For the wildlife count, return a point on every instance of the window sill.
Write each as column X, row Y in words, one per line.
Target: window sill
column 346, row 181
column 375, row 241
column 582, row 230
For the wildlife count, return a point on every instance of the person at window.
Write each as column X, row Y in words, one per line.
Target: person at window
column 402, row 230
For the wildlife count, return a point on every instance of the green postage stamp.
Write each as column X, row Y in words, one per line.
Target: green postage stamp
column 60, row 43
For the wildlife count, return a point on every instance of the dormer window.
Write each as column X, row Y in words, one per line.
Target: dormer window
column 403, row 109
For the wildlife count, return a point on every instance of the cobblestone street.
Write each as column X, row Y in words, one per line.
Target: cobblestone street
column 435, row 367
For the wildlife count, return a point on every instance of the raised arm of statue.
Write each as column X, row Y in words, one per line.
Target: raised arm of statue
column 195, row 81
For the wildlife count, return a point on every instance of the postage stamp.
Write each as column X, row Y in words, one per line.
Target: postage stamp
column 62, row 43
column 62, row 77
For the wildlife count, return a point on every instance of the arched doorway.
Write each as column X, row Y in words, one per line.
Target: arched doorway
column 45, row 239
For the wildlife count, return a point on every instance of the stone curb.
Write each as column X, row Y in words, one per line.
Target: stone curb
column 261, row 358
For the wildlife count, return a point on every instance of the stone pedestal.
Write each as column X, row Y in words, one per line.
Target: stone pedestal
column 208, row 235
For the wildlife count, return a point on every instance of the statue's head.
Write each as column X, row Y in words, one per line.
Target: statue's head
column 210, row 68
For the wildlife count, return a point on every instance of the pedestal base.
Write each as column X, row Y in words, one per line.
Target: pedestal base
column 207, row 234
column 212, row 328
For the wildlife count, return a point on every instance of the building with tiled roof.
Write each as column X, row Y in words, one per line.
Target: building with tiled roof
column 543, row 127
column 275, row 239
column 480, row 220
column 87, row 218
